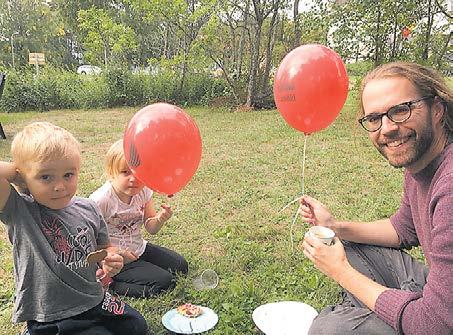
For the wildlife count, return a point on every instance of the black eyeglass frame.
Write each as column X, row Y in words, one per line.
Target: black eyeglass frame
column 409, row 104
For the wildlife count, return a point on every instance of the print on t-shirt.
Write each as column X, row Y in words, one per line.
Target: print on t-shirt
column 69, row 249
column 124, row 225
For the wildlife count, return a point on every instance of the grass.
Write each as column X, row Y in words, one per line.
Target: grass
column 227, row 218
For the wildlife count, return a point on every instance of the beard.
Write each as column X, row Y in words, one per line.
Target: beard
column 420, row 140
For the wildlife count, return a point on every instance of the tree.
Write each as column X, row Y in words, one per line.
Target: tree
column 260, row 11
column 182, row 17
column 29, row 26
column 105, row 40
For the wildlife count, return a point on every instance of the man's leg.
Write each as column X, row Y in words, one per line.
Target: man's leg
column 389, row 267
column 346, row 319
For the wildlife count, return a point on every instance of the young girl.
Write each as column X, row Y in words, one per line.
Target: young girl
column 126, row 205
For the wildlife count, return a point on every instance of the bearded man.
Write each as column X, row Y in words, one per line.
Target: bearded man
column 407, row 110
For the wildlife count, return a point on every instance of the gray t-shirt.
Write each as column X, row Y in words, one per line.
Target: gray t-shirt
column 53, row 280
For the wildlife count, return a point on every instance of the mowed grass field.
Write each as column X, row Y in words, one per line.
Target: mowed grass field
column 228, row 217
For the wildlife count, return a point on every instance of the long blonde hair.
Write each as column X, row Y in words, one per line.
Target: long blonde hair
column 114, row 159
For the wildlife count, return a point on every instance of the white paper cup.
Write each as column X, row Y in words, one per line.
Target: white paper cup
column 324, row 234
column 206, row 280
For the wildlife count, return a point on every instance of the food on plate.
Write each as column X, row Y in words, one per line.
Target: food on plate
column 189, row 310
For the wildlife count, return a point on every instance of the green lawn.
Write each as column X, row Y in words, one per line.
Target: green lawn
column 227, row 218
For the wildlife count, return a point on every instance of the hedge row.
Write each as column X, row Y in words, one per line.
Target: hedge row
column 60, row 89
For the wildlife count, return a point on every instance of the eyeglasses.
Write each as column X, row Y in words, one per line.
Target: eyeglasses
column 397, row 114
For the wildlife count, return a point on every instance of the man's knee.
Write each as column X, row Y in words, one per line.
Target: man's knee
column 324, row 325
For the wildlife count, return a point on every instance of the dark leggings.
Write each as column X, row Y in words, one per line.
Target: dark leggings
column 111, row 317
column 389, row 267
column 153, row 273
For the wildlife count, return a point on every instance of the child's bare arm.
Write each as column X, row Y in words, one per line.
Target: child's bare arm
column 154, row 221
column 128, row 256
column 8, row 174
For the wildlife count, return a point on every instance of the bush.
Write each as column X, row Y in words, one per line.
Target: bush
column 161, row 87
column 28, row 91
column 14, row 93
column 93, row 92
column 359, row 69
column 59, row 89
column 123, row 88
column 201, row 89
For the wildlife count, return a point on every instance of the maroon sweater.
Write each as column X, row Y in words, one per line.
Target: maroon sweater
column 425, row 218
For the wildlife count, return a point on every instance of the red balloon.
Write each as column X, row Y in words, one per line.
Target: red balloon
column 310, row 87
column 162, row 146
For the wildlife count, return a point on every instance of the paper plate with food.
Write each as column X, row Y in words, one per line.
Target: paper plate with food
column 190, row 319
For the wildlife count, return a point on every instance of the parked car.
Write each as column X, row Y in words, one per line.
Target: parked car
column 89, row 69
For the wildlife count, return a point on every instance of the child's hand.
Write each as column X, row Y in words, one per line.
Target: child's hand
column 18, row 180
column 128, row 256
column 165, row 213
column 112, row 264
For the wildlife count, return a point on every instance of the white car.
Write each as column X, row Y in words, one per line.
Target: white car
column 89, row 69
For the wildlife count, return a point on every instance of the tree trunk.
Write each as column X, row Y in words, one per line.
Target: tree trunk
column 429, row 25
column 269, row 48
column 184, row 66
column 254, row 65
column 241, row 41
column 240, row 54
column 377, row 46
column 395, row 36
column 228, row 79
column 165, row 52
column 443, row 51
column 297, row 32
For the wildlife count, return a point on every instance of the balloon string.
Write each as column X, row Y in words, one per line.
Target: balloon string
column 303, row 179
column 291, row 234
column 303, row 165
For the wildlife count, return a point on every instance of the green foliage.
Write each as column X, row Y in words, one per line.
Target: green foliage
column 26, row 91
column 123, row 88
column 105, row 40
column 58, row 89
column 51, row 89
column 372, row 30
column 93, row 92
column 360, row 68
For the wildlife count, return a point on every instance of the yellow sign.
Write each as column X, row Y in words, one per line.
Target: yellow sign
column 36, row 58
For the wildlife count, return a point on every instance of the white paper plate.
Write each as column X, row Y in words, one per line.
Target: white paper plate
column 180, row 324
column 284, row 318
